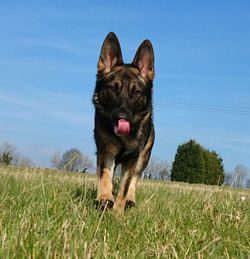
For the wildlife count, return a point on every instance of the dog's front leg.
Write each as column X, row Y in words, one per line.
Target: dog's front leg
column 105, row 171
column 126, row 194
column 131, row 171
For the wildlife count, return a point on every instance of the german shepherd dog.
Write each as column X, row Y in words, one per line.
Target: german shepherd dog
column 124, row 131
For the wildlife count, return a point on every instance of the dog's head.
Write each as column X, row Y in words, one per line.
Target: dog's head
column 123, row 93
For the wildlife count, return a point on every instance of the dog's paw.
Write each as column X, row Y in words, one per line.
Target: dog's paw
column 104, row 204
column 129, row 204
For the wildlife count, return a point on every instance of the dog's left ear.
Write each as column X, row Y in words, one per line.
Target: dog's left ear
column 144, row 60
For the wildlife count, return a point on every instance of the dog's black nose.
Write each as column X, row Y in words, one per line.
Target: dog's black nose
column 121, row 113
column 122, row 116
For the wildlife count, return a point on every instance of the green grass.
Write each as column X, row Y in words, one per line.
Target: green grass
column 45, row 214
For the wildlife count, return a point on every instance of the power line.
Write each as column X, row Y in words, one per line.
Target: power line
column 205, row 108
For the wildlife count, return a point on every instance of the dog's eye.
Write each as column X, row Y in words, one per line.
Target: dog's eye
column 109, row 86
column 114, row 85
column 137, row 91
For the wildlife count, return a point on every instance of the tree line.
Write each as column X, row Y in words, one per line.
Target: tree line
column 193, row 163
column 72, row 160
column 10, row 156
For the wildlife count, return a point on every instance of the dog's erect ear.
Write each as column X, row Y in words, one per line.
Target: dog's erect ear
column 111, row 54
column 144, row 60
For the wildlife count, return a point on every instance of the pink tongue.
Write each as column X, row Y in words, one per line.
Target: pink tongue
column 123, row 127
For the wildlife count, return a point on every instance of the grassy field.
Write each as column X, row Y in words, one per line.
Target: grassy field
column 45, row 214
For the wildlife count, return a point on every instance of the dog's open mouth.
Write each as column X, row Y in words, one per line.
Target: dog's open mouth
column 122, row 127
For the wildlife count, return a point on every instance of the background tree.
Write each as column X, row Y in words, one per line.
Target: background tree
column 214, row 170
column 189, row 165
column 25, row 162
column 8, row 154
column 55, row 160
column 248, row 183
column 164, row 173
column 74, row 160
column 228, row 179
column 239, row 175
column 196, row 164
column 157, row 169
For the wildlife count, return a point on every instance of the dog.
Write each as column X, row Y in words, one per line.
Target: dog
column 124, row 131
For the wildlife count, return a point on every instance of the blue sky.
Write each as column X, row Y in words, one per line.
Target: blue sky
column 48, row 58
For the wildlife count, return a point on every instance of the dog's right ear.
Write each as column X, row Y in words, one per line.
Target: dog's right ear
column 111, row 54
column 144, row 60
